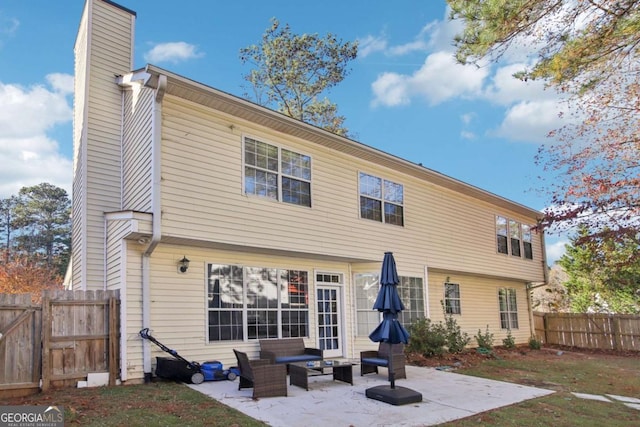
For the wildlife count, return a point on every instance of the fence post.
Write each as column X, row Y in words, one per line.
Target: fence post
column 615, row 332
column 46, row 342
column 113, row 341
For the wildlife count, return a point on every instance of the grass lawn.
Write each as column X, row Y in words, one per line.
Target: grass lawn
column 172, row 404
column 565, row 372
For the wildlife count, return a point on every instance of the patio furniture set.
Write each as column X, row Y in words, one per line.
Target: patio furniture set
column 279, row 357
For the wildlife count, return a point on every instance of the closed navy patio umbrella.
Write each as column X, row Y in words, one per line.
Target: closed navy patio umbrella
column 390, row 331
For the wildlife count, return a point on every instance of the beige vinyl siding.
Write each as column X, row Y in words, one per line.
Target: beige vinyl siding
column 119, row 226
column 179, row 302
column 115, row 231
column 203, row 199
column 79, row 187
column 80, row 80
column 136, row 149
column 78, row 225
column 108, row 34
column 131, row 314
column 480, row 305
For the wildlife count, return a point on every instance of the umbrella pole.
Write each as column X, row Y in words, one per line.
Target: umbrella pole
column 392, row 374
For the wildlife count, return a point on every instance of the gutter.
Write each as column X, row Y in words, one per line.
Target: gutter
column 156, row 234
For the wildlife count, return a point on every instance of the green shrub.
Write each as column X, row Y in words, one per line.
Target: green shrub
column 427, row 338
column 534, row 343
column 509, row 342
column 456, row 339
column 484, row 340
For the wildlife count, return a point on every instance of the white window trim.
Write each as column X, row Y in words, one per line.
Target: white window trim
column 521, row 225
column 313, row 323
column 508, row 311
column 279, row 173
column 244, row 309
column 357, row 309
column 382, row 200
column 459, row 299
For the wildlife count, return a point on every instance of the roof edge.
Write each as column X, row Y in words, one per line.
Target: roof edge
column 315, row 134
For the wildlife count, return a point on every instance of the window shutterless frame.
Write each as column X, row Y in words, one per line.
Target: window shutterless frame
column 248, row 303
column 276, row 173
column 410, row 289
column 508, row 308
column 513, row 238
column 380, row 200
column 452, row 298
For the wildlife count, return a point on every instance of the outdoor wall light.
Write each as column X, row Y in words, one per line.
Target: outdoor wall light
column 183, row 264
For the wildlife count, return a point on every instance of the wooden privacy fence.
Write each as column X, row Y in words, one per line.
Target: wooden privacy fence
column 20, row 345
column 619, row 332
column 58, row 341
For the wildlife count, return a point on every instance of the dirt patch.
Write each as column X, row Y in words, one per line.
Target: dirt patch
column 471, row 357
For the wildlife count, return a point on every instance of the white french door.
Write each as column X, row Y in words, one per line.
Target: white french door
column 329, row 318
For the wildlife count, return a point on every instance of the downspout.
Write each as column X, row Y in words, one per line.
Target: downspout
column 532, row 325
column 545, row 267
column 529, row 287
column 426, row 288
column 156, row 135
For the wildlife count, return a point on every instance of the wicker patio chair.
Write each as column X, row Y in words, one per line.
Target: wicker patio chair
column 371, row 360
column 267, row 380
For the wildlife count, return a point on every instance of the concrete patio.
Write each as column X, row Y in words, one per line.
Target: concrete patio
column 446, row 396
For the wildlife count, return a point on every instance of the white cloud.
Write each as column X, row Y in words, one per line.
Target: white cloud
column 416, row 45
column 504, row 89
column 439, row 79
column 371, row 44
column 441, row 33
column 390, row 89
column 27, row 154
column 30, row 111
column 530, row 111
column 555, row 250
column 31, row 161
column 530, row 121
column 173, row 52
column 467, row 118
column 465, row 134
column 61, row 83
column 435, row 35
column 420, row 43
column 442, row 78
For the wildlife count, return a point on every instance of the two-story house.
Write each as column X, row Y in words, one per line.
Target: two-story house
column 283, row 224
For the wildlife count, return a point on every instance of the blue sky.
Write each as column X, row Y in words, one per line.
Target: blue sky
column 405, row 93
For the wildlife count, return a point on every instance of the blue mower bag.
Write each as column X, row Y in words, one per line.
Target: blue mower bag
column 214, row 371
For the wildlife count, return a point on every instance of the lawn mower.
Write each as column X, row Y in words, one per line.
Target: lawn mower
column 181, row 369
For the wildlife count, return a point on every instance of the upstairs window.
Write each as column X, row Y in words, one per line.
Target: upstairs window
column 513, row 238
column 276, row 173
column 514, row 232
column 381, row 200
column 501, row 234
column 526, row 241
